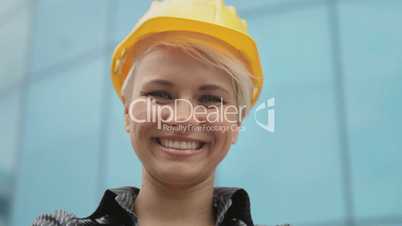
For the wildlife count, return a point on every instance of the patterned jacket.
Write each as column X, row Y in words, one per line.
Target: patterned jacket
column 231, row 205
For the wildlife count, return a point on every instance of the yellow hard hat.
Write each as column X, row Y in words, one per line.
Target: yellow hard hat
column 208, row 17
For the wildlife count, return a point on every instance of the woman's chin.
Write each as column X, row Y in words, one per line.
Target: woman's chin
column 180, row 175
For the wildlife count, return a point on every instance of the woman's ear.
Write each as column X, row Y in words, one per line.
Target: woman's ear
column 126, row 116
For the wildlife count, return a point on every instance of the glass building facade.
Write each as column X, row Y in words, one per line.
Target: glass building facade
column 334, row 68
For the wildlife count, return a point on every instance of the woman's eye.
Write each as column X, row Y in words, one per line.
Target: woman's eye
column 211, row 99
column 159, row 95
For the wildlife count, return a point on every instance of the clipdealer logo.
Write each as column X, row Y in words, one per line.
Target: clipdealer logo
column 213, row 114
column 268, row 108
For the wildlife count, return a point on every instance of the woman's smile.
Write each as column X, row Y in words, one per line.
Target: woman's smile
column 180, row 146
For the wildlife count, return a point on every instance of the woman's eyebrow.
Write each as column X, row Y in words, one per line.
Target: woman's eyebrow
column 207, row 87
column 161, row 82
column 212, row 87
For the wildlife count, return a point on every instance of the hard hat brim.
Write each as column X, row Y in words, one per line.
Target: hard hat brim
column 238, row 40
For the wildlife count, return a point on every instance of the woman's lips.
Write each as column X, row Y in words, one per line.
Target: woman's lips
column 179, row 144
column 179, row 147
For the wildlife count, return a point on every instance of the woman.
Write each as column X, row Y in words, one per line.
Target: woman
column 187, row 76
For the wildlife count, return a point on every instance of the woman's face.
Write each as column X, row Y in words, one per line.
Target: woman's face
column 180, row 143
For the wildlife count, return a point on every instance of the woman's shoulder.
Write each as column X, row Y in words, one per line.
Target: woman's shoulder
column 60, row 218
column 113, row 206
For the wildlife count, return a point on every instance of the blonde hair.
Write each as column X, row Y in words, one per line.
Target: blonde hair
column 218, row 56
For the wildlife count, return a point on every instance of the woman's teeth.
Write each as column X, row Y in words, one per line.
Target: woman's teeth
column 180, row 145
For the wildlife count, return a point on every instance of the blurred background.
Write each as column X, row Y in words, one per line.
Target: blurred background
column 333, row 67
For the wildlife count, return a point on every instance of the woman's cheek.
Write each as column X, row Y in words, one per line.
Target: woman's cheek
column 223, row 118
column 138, row 110
column 227, row 127
column 141, row 125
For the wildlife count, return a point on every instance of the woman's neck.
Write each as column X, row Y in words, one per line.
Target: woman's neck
column 161, row 204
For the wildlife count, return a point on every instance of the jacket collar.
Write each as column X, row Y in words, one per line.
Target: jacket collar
column 229, row 203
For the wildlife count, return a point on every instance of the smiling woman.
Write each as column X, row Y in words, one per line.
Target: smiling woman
column 184, row 58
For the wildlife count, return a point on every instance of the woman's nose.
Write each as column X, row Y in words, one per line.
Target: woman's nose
column 184, row 111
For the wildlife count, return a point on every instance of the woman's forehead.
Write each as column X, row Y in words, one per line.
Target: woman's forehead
column 177, row 66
